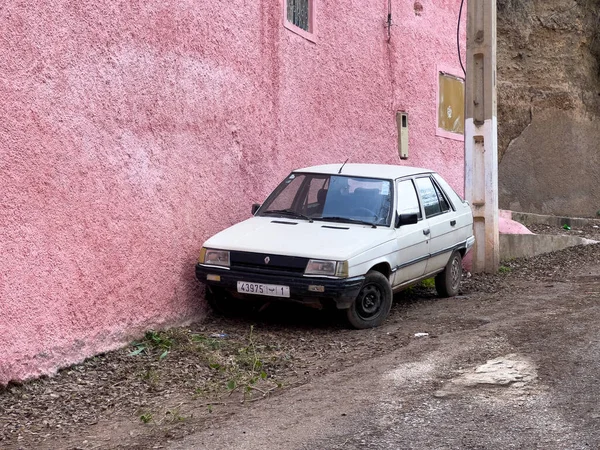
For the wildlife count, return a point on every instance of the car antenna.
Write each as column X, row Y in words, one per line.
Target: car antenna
column 340, row 171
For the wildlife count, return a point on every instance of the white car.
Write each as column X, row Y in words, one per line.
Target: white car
column 342, row 234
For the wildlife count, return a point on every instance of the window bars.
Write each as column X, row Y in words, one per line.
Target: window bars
column 298, row 13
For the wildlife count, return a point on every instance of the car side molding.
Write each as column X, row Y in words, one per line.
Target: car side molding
column 466, row 245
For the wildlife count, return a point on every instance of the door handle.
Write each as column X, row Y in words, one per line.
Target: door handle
column 426, row 232
column 453, row 222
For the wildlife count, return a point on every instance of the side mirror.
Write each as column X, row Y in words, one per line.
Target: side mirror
column 406, row 219
column 255, row 207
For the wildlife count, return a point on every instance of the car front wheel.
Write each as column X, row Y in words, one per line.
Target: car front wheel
column 372, row 304
column 222, row 302
column 447, row 283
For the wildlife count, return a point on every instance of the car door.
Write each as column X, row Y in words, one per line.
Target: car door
column 441, row 221
column 413, row 245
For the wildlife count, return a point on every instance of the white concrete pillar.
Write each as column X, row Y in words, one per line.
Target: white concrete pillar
column 481, row 133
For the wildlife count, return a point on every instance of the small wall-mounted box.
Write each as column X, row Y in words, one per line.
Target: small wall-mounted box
column 402, row 123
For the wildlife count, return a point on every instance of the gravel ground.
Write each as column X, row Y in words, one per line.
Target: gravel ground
column 174, row 384
column 591, row 231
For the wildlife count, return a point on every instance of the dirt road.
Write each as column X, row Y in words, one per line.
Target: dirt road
column 511, row 363
column 541, row 389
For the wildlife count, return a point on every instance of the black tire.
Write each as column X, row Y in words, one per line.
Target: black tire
column 447, row 283
column 222, row 302
column 372, row 304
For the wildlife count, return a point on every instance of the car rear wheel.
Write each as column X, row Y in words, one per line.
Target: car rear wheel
column 372, row 304
column 447, row 283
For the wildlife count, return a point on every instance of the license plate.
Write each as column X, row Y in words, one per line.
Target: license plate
column 270, row 290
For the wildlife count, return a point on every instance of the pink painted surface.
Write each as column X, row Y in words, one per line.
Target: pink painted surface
column 509, row 226
column 132, row 131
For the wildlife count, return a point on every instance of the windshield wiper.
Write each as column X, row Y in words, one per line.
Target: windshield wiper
column 287, row 212
column 346, row 219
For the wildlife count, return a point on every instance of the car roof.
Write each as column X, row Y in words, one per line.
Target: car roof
column 387, row 171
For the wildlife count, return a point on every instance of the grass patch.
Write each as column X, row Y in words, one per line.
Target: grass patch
column 429, row 283
column 504, row 269
column 153, row 342
column 238, row 365
column 224, row 363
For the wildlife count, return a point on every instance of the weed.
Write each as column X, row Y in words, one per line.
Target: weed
column 146, row 418
column 216, row 366
column 150, row 375
column 429, row 283
column 174, row 415
column 139, row 348
column 151, row 378
column 153, row 340
column 206, row 342
column 248, row 359
column 504, row 269
column 160, row 341
column 226, row 365
column 241, row 368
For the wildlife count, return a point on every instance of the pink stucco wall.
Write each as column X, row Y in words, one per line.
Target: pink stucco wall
column 132, row 131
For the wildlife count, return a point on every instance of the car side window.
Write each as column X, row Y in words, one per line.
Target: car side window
column 434, row 202
column 408, row 201
column 444, row 205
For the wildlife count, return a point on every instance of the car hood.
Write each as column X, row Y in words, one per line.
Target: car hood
column 283, row 236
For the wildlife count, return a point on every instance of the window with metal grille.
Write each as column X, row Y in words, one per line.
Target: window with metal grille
column 298, row 13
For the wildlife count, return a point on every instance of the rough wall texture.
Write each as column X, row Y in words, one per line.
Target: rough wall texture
column 130, row 131
column 549, row 106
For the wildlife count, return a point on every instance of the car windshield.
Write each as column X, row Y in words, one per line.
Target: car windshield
column 337, row 198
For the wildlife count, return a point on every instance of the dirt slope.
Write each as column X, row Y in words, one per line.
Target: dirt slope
column 549, row 106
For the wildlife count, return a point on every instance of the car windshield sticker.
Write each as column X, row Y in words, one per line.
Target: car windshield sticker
column 385, row 189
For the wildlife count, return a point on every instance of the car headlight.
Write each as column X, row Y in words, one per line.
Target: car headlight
column 213, row 257
column 327, row 268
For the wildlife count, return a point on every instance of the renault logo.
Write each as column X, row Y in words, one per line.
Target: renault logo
column 267, row 259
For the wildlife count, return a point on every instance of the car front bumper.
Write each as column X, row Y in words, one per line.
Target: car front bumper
column 302, row 289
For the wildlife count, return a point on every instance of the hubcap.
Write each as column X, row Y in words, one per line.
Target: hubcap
column 455, row 273
column 369, row 301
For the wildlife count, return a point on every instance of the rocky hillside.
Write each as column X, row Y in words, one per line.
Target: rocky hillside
column 549, row 106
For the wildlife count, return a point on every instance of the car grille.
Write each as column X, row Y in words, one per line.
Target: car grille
column 267, row 263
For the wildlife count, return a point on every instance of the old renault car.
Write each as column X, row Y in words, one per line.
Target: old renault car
column 343, row 234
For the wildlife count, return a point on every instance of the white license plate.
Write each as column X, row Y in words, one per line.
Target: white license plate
column 271, row 290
